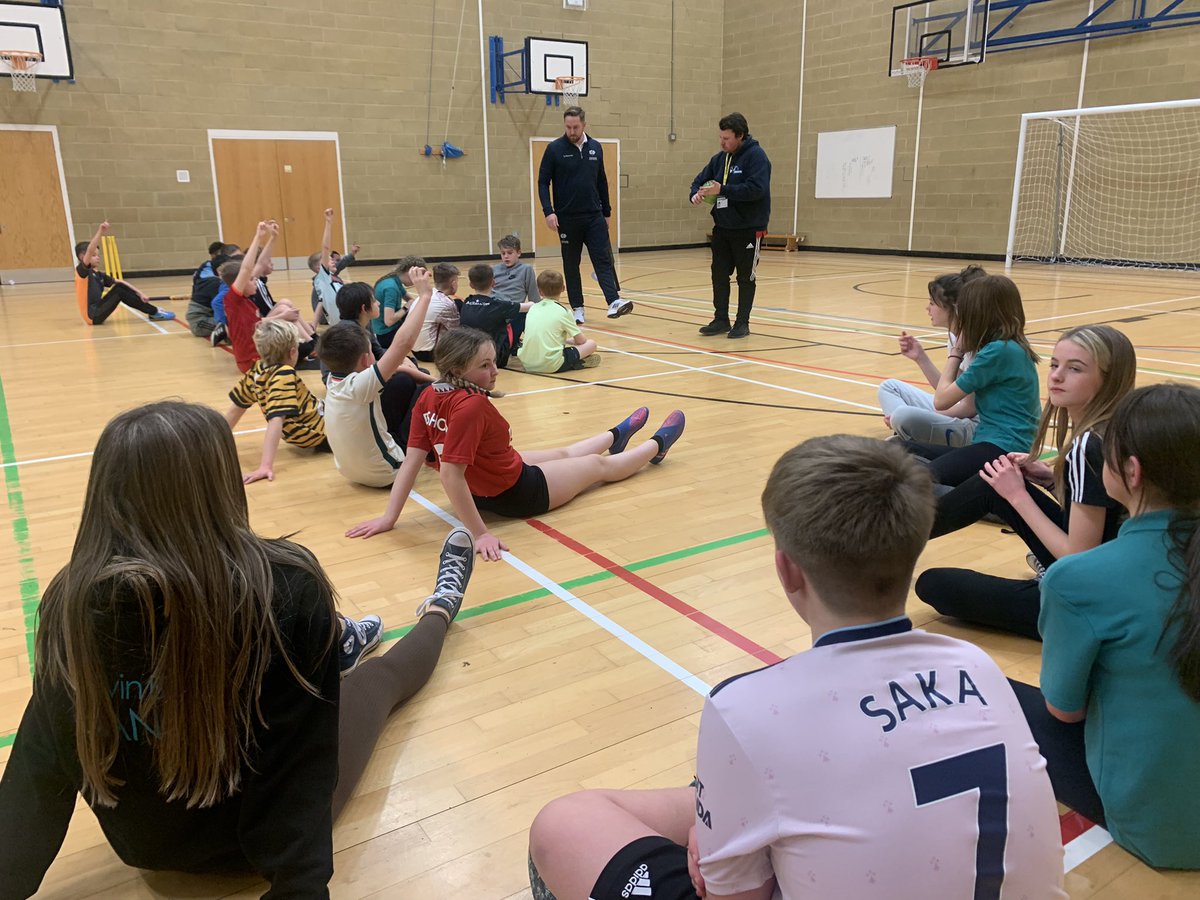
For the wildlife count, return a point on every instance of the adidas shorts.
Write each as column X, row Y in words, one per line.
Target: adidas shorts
column 651, row 867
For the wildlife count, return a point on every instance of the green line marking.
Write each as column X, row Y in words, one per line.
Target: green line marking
column 537, row 593
column 30, row 593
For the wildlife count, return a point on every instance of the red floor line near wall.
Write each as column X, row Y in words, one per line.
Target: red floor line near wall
column 1073, row 825
column 743, row 643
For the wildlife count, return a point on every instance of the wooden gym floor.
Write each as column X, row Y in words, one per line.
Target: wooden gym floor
column 582, row 659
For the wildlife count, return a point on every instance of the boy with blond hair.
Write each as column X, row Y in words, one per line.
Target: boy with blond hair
column 553, row 341
column 291, row 411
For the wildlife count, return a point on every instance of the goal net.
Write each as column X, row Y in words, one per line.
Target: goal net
column 1110, row 186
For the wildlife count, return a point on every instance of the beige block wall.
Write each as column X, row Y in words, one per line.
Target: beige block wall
column 154, row 75
column 969, row 123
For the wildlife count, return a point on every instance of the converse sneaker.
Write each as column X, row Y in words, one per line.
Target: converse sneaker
column 1034, row 563
column 220, row 334
column 668, row 433
column 454, row 571
column 358, row 639
column 578, row 311
column 619, row 307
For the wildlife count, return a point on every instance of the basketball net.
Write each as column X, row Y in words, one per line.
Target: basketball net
column 916, row 68
column 22, row 66
column 571, row 87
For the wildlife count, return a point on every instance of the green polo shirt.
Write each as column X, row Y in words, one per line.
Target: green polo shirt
column 1101, row 623
column 1004, row 381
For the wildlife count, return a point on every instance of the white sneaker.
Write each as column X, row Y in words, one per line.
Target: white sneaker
column 619, row 307
column 578, row 310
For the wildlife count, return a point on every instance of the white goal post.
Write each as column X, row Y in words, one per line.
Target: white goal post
column 1109, row 185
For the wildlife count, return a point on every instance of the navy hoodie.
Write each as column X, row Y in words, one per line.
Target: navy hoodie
column 748, row 187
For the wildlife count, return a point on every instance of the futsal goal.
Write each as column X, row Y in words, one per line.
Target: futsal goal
column 1110, row 186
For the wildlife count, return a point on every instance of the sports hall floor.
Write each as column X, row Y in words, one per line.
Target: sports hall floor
column 581, row 660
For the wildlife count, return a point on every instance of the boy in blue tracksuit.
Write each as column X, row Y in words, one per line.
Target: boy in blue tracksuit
column 741, row 176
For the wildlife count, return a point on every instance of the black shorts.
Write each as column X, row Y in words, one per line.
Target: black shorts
column 648, row 867
column 571, row 360
column 528, row 497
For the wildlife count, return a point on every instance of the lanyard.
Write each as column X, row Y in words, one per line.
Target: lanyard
column 728, row 160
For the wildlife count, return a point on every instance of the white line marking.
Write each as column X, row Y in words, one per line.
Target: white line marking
column 622, row 634
column 1092, row 312
column 46, row 459
column 779, row 387
column 114, row 337
column 567, row 387
column 1084, row 847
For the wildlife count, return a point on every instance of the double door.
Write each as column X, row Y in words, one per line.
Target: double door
column 289, row 180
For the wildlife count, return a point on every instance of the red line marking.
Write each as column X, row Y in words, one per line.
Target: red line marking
column 743, row 643
column 1073, row 825
column 775, row 362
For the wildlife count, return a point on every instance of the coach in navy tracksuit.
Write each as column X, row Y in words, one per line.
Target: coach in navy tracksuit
column 742, row 174
column 574, row 164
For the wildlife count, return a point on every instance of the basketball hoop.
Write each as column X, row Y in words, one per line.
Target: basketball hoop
column 22, row 66
column 571, row 87
column 915, row 69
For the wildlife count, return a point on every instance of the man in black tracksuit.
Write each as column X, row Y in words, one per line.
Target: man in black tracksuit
column 574, row 163
column 742, row 176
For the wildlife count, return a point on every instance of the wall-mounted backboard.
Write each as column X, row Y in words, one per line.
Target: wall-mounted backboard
column 38, row 28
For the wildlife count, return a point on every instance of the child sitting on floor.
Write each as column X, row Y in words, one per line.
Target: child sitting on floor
column 99, row 294
column 291, row 411
column 490, row 314
column 442, row 315
column 552, row 341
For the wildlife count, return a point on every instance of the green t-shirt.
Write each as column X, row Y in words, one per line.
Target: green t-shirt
column 390, row 293
column 548, row 328
column 1004, row 381
column 1101, row 623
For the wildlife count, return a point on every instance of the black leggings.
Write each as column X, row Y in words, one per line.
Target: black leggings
column 1010, row 604
column 114, row 297
column 396, row 401
column 373, row 691
column 1061, row 743
column 954, row 465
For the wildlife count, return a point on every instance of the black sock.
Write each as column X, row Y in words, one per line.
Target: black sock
column 616, row 434
column 662, row 447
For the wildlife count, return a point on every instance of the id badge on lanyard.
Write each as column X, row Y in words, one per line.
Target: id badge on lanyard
column 723, row 201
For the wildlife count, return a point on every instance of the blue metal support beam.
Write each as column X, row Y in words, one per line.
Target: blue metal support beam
column 1104, row 21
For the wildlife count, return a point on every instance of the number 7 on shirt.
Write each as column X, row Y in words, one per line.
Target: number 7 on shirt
column 984, row 770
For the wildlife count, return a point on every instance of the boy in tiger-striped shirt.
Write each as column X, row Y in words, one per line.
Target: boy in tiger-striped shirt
column 292, row 413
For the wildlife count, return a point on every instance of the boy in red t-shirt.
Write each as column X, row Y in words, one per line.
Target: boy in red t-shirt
column 248, row 300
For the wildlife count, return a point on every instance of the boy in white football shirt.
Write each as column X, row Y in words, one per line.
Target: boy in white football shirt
column 885, row 762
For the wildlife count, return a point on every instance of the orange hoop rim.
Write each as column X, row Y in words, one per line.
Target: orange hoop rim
column 562, row 81
column 19, row 60
column 929, row 63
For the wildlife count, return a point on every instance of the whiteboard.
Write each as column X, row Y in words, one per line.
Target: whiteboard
column 855, row 163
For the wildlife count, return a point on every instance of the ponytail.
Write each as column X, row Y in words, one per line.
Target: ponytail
column 1184, row 534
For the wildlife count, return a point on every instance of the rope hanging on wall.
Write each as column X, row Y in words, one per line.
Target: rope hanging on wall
column 447, row 150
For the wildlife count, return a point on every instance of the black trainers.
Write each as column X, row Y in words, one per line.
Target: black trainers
column 739, row 330
column 716, row 326
column 454, row 571
column 358, row 639
column 220, row 334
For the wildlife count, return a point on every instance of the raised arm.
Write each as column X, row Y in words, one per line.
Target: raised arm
column 326, row 240
column 406, row 336
column 95, row 242
column 245, row 275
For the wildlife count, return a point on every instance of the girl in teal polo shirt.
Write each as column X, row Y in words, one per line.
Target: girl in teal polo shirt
column 1002, row 376
column 1118, row 714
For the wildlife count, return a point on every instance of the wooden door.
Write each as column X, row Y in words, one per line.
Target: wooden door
column 248, row 188
column 35, row 240
column 545, row 241
column 308, row 185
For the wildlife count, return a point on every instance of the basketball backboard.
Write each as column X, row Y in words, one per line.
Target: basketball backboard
column 549, row 58
column 953, row 31
column 39, row 29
